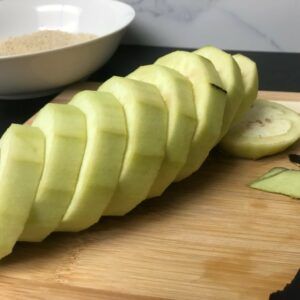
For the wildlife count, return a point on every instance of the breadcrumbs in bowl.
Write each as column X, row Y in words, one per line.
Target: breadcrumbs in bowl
column 40, row 41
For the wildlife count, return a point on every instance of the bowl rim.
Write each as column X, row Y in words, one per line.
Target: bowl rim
column 80, row 44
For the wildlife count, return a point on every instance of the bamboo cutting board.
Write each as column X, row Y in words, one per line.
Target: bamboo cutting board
column 209, row 237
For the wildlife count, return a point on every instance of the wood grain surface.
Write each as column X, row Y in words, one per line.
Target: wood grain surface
column 208, row 237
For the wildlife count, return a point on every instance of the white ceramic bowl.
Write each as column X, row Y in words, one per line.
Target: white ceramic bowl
column 31, row 75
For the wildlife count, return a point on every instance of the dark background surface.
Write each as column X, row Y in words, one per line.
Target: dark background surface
column 277, row 71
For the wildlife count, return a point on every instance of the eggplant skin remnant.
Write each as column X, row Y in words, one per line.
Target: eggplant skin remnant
column 294, row 158
column 218, row 88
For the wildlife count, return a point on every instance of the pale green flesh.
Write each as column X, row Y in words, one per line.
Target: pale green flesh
column 231, row 78
column 266, row 129
column 250, row 79
column 209, row 100
column 286, row 182
column 102, row 162
column 64, row 127
column 147, row 124
column 177, row 93
column 22, row 161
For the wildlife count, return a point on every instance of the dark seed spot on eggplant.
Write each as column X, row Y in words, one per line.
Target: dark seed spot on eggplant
column 268, row 120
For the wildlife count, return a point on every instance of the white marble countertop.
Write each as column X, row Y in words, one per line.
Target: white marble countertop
column 263, row 25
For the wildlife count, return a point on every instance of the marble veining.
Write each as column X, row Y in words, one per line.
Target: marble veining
column 265, row 25
column 254, row 29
